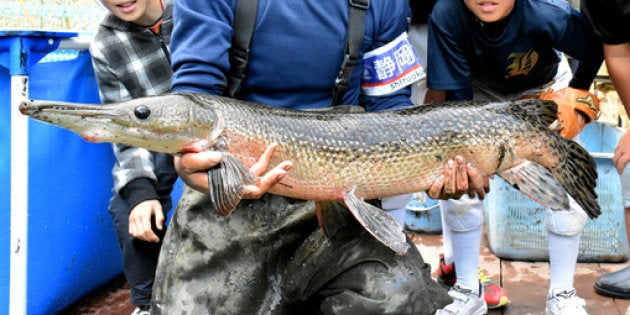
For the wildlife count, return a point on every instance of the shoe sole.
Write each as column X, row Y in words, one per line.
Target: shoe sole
column 610, row 293
column 502, row 302
column 498, row 301
column 481, row 310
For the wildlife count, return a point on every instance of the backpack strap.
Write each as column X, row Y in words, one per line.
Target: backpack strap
column 244, row 22
column 356, row 30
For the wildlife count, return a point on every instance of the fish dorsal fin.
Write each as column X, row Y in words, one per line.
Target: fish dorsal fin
column 537, row 183
column 538, row 111
column 226, row 183
column 377, row 222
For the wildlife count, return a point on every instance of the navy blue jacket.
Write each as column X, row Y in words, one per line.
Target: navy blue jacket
column 525, row 55
column 294, row 60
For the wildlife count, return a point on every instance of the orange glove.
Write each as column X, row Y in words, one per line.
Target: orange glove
column 576, row 108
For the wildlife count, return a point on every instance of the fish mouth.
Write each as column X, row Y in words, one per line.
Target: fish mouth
column 67, row 115
column 25, row 109
column 91, row 136
column 38, row 108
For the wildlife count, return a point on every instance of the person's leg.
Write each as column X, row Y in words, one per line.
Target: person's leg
column 617, row 284
column 139, row 257
column 352, row 273
column 378, row 286
column 213, row 264
column 396, row 206
column 564, row 229
column 563, row 253
column 447, row 240
column 494, row 295
column 399, row 215
column 463, row 223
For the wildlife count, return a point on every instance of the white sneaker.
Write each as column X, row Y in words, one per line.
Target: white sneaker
column 142, row 310
column 465, row 302
column 565, row 302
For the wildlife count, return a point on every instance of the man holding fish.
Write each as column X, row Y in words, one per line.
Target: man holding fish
column 269, row 256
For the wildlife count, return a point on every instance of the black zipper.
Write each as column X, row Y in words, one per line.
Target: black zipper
column 162, row 43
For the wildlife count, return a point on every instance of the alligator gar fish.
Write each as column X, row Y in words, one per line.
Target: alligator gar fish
column 347, row 156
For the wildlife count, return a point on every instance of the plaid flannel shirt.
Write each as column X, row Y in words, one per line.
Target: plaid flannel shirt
column 131, row 61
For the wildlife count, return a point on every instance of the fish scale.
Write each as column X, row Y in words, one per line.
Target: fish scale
column 364, row 154
column 345, row 154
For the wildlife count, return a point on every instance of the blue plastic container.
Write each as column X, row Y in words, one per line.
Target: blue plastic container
column 71, row 244
column 516, row 223
column 423, row 215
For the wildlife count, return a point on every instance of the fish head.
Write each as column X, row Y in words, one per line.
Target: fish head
column 170, row 123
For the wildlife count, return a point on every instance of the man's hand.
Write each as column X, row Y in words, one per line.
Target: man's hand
column 140, row 220
column 622, row 153
column 193, row 169
column 576, row 108
column 459, row 178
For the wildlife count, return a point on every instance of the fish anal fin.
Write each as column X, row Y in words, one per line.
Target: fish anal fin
column 537, row 183
column 378, row 223
column 226, row 183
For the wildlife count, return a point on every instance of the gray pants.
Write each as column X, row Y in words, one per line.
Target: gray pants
column 269, row 257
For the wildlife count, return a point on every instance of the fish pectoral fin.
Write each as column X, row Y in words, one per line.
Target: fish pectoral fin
column 537, row 183
column 377, row 222
column 226, row 184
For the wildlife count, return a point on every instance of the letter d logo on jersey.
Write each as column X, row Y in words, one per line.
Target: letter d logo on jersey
column 391, row 67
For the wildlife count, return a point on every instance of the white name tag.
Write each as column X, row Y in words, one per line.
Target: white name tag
column 391, row 67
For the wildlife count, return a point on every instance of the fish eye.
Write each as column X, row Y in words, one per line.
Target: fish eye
column 142, row 112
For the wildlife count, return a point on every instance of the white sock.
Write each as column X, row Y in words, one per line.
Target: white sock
column 563, row 253
column 466, row 257
column 462, row 247
column 447, row 249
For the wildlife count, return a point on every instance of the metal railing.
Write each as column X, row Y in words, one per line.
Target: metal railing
column 67, row 15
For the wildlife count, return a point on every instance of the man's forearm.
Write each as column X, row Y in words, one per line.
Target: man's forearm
column 618, row 64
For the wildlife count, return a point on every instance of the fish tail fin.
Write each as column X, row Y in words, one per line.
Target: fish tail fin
column 575, row 170
column 578, row 174
column 226, row 184
column 574, row 173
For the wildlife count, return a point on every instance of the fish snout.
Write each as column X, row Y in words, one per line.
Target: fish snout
column 24, row 108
